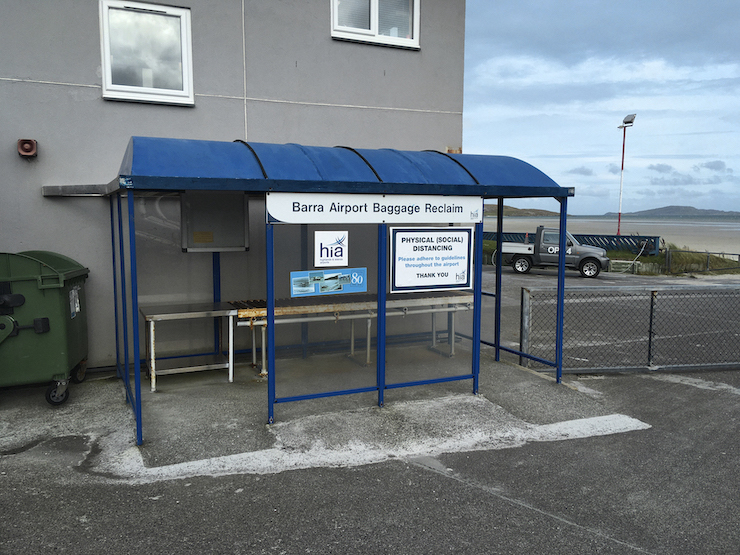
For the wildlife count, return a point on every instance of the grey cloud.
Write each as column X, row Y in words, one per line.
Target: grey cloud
column 661, row 168
column 575, row 30
column 581, row 171
column 613, row 169
column 715, row 165
column 682, row 179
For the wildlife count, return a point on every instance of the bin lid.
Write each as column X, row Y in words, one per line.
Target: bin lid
column 49, row 269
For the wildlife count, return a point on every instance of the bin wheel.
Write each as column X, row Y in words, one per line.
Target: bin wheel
column 54, row 398
column 79, row 372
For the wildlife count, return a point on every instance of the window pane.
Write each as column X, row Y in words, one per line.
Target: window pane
column 395, row 18
column 353, row 13
column 145, row 49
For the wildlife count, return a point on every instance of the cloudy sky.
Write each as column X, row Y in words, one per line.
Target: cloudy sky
column 549, row 81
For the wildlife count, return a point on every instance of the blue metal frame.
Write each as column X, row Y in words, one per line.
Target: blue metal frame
column 499, row 259
column 381, row 340
column 135, row 315
column 561, row 291
column 270, row 254
column 477, row 302
column 216, row 264
column 560, row 302
column 152, row 164
column 122, row 326
column 115, row 285
column 134, row 397
column 382, row 286
column 130, row 397
column 131, row 352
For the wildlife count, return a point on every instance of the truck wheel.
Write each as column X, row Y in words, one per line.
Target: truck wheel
column 589, row 268
column 493, row 258
column 521, row 264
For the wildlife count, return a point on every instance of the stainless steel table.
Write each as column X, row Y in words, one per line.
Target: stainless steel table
column 164, row 313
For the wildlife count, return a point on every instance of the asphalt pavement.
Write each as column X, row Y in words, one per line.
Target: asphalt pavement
column 619, row 463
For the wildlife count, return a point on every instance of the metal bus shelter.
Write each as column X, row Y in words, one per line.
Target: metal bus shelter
column 175, row 166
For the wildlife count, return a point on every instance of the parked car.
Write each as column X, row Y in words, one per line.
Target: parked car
column 543, row 251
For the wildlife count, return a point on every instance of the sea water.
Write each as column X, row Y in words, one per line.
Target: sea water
column 719, row 235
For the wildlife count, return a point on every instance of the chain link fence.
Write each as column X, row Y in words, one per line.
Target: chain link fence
column 683, row 262
column 633, row 328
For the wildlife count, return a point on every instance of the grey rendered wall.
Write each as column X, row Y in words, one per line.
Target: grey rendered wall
column 302, row 86
column 299, row 85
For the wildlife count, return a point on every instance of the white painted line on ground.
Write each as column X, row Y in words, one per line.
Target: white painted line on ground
column 693, row 382
column 365, row 436
column 578, row 386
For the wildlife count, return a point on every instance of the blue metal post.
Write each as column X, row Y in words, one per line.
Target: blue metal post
column 499, row 261
column 270, row 323
column 382, row 271
column 477, row 300
column 115, row 285
column 304, row 266
column 216, row 299
column 124, row 305
column 561, row 292
column 135, row 315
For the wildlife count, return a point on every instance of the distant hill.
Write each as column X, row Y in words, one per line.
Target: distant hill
column 665, row 212
column 678, row 211
column 490, row 210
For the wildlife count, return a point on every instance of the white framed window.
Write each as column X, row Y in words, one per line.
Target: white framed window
column 389, row 22
column 146, row 52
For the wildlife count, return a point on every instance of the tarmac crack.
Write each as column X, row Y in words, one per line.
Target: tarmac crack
column 432, row 464
column 21, row 449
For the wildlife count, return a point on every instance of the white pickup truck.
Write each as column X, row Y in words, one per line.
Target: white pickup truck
column 543, row 251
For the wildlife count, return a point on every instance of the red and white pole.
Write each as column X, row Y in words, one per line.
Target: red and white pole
column 621, row 181
column 627, row 122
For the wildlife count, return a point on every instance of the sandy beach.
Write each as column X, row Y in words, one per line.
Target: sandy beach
column 720, row 236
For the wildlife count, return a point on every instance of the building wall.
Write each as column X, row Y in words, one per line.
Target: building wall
column 263, row 71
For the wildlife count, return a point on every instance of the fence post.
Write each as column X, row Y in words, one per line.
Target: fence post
column 653, row 295
column 525, row 323
column 668, row 261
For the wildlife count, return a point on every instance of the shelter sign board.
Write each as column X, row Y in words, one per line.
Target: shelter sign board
column 331, row 248
column 351, row 208
column 311, row 283
column 438, row 258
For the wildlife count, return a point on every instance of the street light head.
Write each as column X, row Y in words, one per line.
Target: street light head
column 629, row 120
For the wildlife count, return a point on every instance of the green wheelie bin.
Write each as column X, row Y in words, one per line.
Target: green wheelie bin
column 43, row 321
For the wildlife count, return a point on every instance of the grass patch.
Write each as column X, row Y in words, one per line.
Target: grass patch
column 674, row 260
column 489, row 247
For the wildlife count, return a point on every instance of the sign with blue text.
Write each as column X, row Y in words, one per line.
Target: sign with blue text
column 425, row 258
column 350, row 208
column 331, row 248
column 310, row 283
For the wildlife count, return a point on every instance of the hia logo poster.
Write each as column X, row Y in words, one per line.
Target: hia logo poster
column 331, row 249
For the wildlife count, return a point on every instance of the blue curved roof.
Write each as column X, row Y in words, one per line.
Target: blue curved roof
column 161, row 164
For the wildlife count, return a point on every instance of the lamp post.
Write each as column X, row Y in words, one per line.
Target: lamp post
column 626, row 122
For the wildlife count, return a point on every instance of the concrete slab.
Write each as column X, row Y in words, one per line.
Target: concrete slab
column 201, row 425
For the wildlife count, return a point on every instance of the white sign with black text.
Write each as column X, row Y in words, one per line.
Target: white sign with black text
column 350, row 208
column 439, row 258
